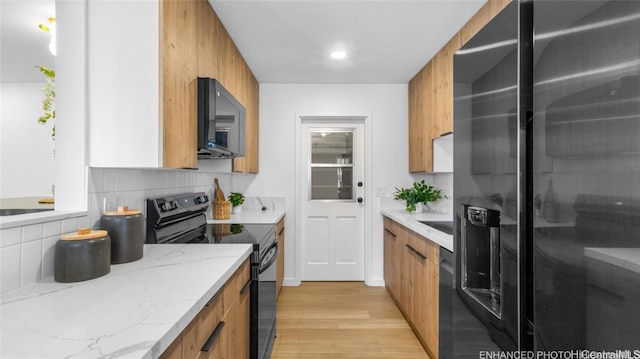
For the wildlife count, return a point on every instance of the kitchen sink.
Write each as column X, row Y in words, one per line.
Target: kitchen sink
column 443, row 226
column 16, row 211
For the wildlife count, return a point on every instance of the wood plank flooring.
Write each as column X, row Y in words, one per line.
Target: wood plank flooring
column 332, row 320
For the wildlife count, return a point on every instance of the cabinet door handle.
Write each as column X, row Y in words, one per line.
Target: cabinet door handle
column 422, row 256
column 246, row 286
column 212, row 338
column 390, row 233
column 282, row 230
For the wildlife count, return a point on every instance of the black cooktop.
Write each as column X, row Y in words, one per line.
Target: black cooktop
column 261, row 236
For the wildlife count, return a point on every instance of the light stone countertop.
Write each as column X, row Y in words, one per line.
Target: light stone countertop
column 135, row 311
column 269, row 216
column 410, row 220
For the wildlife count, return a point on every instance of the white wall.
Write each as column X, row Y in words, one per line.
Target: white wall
column 386, row 109
column 26, row 146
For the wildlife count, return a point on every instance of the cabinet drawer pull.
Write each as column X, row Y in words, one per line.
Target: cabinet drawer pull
column 212, row 338
column 410, row 248
column 246, row 286
column 390, row 233
column 422, row 256
column 211, row 300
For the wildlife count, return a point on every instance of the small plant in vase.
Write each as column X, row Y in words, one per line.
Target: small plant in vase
column 236, row 199
column 409, row 196
column 417, row 195
column 427, row 193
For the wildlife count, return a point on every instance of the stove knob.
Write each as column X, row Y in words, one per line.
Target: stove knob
column 201, row 199
column 163, row 207
column 173, row 205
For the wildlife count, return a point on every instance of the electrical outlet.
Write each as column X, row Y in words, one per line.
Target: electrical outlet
column 381, row 191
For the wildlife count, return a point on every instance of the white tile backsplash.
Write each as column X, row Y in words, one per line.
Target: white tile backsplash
column 10, row 236
column 69, row 225
column 27, row 253
column 10, row 268
column 109, row 179
column 48, row 256
column 52, row 229
column 32, row 232
column 30, row 271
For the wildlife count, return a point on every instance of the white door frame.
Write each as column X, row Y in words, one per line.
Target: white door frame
column 301, row 196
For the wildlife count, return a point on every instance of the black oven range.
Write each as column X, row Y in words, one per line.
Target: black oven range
column 180, row 218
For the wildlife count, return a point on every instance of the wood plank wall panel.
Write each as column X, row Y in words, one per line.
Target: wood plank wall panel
column 178, row 73
column 431, row 92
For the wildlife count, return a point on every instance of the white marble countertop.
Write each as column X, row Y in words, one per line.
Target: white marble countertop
column 410, row 220
column 270, row 216
column 135, row 311
column 627, row 258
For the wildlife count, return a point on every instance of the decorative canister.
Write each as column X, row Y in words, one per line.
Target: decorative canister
column 126, row 228
column 82, row 255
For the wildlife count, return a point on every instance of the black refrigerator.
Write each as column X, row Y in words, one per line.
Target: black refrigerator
column 547, row 181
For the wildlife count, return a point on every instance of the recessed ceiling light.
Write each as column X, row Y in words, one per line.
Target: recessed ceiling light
column 338, row 55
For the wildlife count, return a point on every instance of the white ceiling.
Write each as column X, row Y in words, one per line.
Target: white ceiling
column 284, row 41
column 388, row 42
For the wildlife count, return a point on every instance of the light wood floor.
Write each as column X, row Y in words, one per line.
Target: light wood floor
column 331, row 320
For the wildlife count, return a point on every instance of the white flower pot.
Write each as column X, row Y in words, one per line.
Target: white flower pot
column 236, row 210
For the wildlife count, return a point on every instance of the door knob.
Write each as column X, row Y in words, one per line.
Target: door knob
column 360, row 200
column 360, row 184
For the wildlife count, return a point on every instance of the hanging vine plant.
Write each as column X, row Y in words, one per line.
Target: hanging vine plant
column 48, row 103
column 49, row 88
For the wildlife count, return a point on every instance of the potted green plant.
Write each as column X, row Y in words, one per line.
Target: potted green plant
column 427, row 194
column 417, row 195
column 236, row 199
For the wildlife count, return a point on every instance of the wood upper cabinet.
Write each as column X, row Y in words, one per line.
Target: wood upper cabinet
column 431, row 92
column 411, row 274
column 142, row 85
column 179, row 55
column 280, row 263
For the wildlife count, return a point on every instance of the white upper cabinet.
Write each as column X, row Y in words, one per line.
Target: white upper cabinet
column 123, row 87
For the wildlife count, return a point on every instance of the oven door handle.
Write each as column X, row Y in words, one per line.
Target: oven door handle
column 271, row 260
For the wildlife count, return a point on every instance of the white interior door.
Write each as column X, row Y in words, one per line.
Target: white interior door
column 333, row 210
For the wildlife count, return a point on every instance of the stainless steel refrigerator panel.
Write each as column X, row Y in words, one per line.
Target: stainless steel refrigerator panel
column 586, row 131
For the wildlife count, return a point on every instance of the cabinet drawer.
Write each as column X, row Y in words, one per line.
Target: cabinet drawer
column 204, row 324
column 235, row 284
column 390, row 227
column 424, row 247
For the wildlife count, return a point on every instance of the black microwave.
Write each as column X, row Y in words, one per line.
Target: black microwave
column 221, row 121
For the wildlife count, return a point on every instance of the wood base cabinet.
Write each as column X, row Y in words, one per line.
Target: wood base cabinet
column 221, row 329
column 411, row 274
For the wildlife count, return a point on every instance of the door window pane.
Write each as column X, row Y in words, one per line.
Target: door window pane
column 332, row 147
column 331, row 165
column 332, row 183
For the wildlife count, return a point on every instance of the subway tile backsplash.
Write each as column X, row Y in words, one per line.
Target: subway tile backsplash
column 27, row 252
